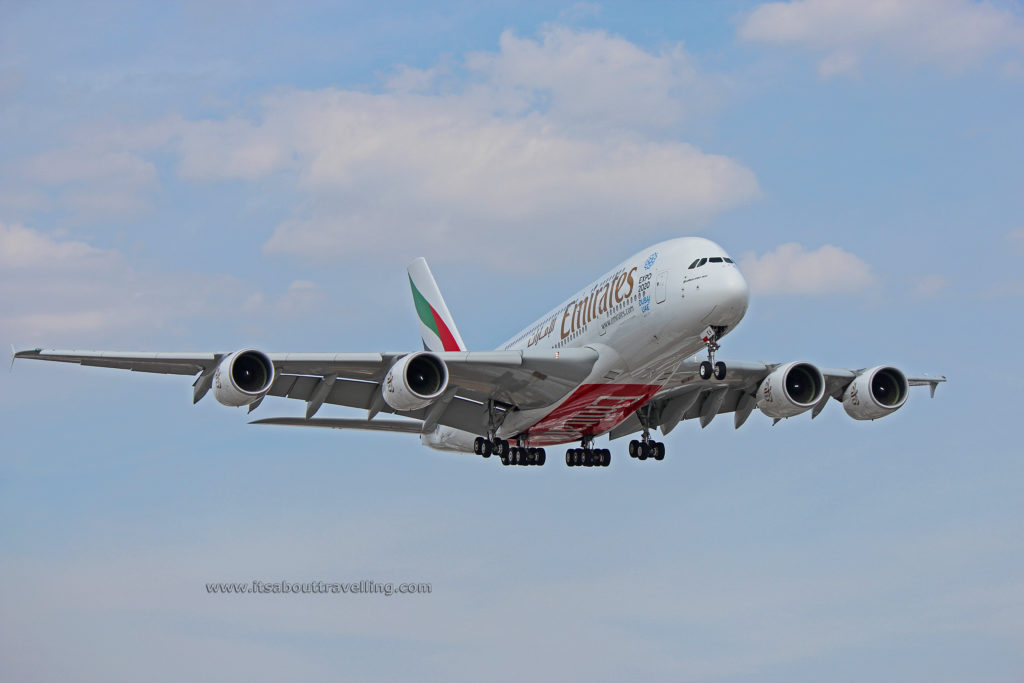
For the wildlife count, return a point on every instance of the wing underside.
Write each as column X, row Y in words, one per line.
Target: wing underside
column 688, row 397
column 507, row 380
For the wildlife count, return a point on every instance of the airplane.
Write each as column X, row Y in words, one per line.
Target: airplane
column 618, row 358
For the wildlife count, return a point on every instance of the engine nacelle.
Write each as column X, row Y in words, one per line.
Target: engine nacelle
column 790, row 390
column 415, row 381
column 242, row 378
column 875, row 393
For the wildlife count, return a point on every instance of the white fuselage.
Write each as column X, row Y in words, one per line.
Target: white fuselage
column 643, row 317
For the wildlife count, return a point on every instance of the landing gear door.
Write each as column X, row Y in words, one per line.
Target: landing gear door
column 660, row 285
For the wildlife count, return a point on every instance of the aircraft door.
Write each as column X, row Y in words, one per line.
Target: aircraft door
column 660, row 285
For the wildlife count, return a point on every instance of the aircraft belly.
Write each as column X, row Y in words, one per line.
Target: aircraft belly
column 591, row 410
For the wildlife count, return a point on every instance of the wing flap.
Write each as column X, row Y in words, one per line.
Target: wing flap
column 403, row 426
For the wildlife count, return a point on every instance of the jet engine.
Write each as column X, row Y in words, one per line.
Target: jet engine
column 875, row 393
column 242, row 378
column 415, row 381
column 790, row 390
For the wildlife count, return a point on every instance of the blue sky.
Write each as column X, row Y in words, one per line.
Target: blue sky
column 208, row 176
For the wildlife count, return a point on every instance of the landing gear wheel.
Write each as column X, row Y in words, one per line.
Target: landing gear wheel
column 478, row 445
column 659, row 451
column 501, row 446
column 634, row 448
column 645, row 450
column 504, row 460
column 719, row 370
column 706, row 369
column 606, row 458
column 542, row 457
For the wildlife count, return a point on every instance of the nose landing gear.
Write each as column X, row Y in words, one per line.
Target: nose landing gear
column 709, row 367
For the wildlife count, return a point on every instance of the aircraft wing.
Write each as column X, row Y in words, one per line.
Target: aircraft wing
column 688, row 397
column 518, row 379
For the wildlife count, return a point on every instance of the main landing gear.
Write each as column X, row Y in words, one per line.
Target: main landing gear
column 509, row 455
column 519, row 454
column 641, row 450
column 709, row 367
column 646, row 447
column 587, row 456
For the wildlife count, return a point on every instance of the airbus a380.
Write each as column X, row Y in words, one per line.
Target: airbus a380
column 620, row 357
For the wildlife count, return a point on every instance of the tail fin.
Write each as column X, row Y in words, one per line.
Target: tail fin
column 436, row 324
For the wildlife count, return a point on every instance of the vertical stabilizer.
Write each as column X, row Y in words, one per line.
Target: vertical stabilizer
column 436, row 324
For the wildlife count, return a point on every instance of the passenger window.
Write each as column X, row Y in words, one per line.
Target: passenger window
column 715, row 259
column 702, row 262
column 694, row 264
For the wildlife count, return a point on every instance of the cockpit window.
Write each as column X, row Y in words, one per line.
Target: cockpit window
column 728, row 260
column 694, row 264
column 715, row 259
column 702, row 262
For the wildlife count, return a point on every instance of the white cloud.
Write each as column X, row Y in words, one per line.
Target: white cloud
column 301, row 297
column 952, row 34
column 22, row 249
column 95, row 182
column 53, row 289
column 548, row 142
column 516, row 156
column 791, row 269
column 927, row 286
column 592, row 78
column 234, row 148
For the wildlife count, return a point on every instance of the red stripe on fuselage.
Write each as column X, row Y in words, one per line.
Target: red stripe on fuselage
column 592, row 409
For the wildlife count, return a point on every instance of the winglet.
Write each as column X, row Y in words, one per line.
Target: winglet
column 437, row 327
column 14, row 354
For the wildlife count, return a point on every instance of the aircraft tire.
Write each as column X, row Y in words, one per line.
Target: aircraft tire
column 706, row 370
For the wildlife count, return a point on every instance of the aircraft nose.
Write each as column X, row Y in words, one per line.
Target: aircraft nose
column 733, row 293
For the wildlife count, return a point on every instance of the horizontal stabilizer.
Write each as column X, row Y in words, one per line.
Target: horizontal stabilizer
column 404, row 426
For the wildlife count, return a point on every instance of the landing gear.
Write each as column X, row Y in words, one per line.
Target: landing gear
column 524, row 457
column 709, row 367
column 587, row 456
column 646, row 447
column 491, row 444
column 641, row 450
column 487, row 447
column 508, row 454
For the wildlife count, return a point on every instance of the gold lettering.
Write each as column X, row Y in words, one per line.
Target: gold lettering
column 617, row 285
column 629, row 279
column 564, row 316
column 602, row 305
